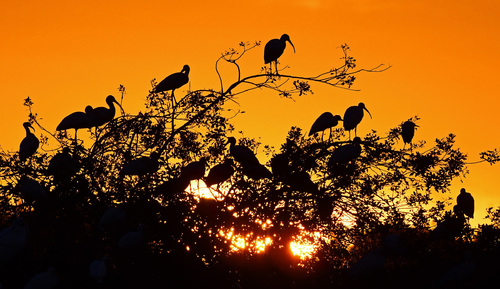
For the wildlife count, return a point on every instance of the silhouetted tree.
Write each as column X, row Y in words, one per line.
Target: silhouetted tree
column 377, row 202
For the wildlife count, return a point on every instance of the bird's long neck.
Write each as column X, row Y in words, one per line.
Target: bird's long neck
column 112, row 108
column 28, row 132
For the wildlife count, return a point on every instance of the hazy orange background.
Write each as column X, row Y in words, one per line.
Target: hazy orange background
column 445, row 57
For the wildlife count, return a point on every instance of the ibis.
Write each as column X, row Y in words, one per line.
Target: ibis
column 274, row 49
column 111, row 217
column 241, row 153
column 132, row 239
column 408, row 131
column 103, row 115
column 29, row 144
column 142, row 166
column 194, row 170
column 346, row 153
column 78, row 120
column 62, row 165
column 45, row 280
column 353, row 116
column 465, row 203
column 31, row 190
column 256, row 171
column 220, row 173
column 173, row 81
column 12, row 240
column 325, row 121
column 98, row 270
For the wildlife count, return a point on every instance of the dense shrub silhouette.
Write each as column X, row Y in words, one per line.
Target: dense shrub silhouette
column 134, row 177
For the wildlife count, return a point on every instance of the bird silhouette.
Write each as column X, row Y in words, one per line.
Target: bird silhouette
column 62, row 165
column 78, row 120
column 29, row 144
column 194, row 170
column 103, row 115
column 241, row 153
column 45, row 280
column 408, row 131
column 12, row 240
column 31, row 190
column 111, row 217
column 98, row 270
column 132, row 239
column 173, row 81
column 323, row 122
column 465, row 203
column 256, row 171
column 274, row 49
column 142, row 166
column 220, row 173
column 353, row 116
column 346, row 153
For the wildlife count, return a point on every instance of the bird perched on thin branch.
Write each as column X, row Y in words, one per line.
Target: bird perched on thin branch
column 142, row 166
column 103, row 115
column 173, row 81
column 220, row 173
column 465, row 203
column 29, row 144
column 325, row 121
column 274, row 49
column 353, row 116
column 408, row 131
column 241, row 153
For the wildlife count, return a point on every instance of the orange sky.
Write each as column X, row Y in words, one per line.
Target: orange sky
column 66, row 54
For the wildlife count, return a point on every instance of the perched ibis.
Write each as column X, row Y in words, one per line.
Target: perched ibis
column 323, row 122
column 142, row 166
column 45, row 280
column 256, row 171
column 241, row 154
column 408, row 131
column 78, row 120
column 346, row 153
column 103, row 115
column 62, row 165
column 111, row 217
column 274, row 49
column 29, row 144
column 98, row 270
column 220, row 173
column 301, row 181
column 132, row 239
column 280, row 166
column 194, row 170
column 353, row 116
column 465, row 203
column 31, row 190
column 12, row 240
column 174, row 81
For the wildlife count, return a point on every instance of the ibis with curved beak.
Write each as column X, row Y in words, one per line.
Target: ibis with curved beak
column 275, row 48
column 353, row 116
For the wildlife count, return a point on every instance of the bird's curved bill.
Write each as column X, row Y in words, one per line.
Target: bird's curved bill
column 121, row 108
column 368, row 112
column 292, row 45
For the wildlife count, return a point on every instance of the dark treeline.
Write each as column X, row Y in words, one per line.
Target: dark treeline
column 119, row 209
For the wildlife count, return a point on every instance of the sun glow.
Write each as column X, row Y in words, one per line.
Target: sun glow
column 305, row 244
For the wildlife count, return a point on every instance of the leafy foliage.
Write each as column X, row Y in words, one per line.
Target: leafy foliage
column 351, row 206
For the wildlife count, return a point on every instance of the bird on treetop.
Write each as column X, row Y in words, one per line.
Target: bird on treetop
column 275, row 48
column 29, row 144
column 353, row 116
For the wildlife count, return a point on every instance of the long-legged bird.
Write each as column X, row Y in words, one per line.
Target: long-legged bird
column 353, row 116
column 274, row 49
column 29, row 144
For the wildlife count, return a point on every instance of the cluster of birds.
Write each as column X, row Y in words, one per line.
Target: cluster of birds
column 15, row 235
